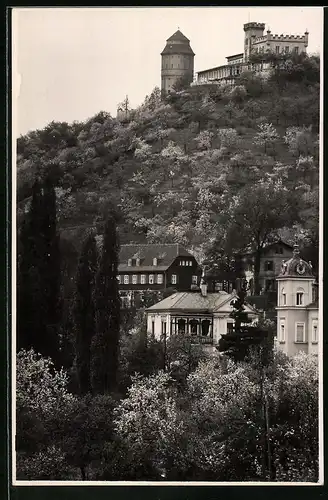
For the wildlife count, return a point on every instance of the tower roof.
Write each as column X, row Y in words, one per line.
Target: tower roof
column 178, row 37
column 296, row 267
column 178, row 44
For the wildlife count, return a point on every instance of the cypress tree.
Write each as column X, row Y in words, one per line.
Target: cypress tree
column 84, row 311
column 105, row 344
column 51, row 272
column 29, row 283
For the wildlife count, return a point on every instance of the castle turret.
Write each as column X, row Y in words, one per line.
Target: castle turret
column 252, row 31
column 297, row 309
column 177, row 61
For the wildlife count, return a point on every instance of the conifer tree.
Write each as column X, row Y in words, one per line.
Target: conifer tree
column 38, row 287
column 50, row 267
column 29, row 283
column 105, row 344
column 84, row 311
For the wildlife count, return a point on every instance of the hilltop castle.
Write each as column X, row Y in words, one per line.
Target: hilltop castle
column 178, row 57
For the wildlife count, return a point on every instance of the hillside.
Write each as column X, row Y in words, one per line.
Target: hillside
column 213, row 168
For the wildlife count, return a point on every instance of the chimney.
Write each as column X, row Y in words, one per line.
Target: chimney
column 203, row 288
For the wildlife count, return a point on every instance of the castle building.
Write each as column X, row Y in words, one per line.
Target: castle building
column 297, row 309
column 255, row 42
column 177, row 61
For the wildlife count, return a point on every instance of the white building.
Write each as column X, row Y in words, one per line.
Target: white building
column 297, row 309
column 204, row 316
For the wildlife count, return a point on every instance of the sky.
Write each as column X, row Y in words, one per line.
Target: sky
column 70, row 63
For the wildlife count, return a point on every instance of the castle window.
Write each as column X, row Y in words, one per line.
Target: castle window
column 299, row 298
column 134, row 279
column 300, row 332
column 277, row 49
column 287, row 49
column 126, row 279
column 174, row 279
column 282, row 332
column 153, row 326
column 296, row 50
column 151, row 279
column 143, row 279
column 314, row 333
column 159, row 279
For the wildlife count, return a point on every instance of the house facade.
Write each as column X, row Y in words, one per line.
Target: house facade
column 297, row 309
column 272, row 257
column 147, row 269
column 203, row 316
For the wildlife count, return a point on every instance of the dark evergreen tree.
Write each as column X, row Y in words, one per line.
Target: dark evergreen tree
column 105, row 344
column 38, row 287
column 84, row 311
column 50, row 272
column 30, row 296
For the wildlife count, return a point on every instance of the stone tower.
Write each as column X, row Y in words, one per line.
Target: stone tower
column 297, row 307
column 252, row 31
column 177, row 61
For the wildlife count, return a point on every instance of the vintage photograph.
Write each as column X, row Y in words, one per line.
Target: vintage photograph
column 166, row 246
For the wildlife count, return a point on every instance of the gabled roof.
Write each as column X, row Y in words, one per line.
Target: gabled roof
column 178, row 37
column 195, row 302
column 165, row 254
column 267, row 246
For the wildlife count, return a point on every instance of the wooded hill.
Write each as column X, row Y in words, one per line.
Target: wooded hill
column 217, row 169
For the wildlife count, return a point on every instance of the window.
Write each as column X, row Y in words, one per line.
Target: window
column 126, row 279
column 194, row 280
column 296, row 50
column 119, row 279
column 181, row 326
column 151, row 279
column 268, row 265
column 129, row 262
column 282, row 336
column 138, row 262
column 174, row 279
column 314, row 333
column 134, row 279
column 229, row 326
column 277, row 49
column 287, row 49
column 300, row 333
column 160, row 279
column 283, row 297
column 143, row 279
column 205, row 326
column 163, row 327
column 153, row 326
column 299, row 298
column 155, row 261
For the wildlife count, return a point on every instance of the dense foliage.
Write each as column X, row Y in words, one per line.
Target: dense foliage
column 211, row 429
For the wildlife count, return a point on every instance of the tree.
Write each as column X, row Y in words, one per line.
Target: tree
column 267, row 136
column 39, row 275
column 84, row 311
column 254, row 219
column 105, row 343
column 50, row 271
